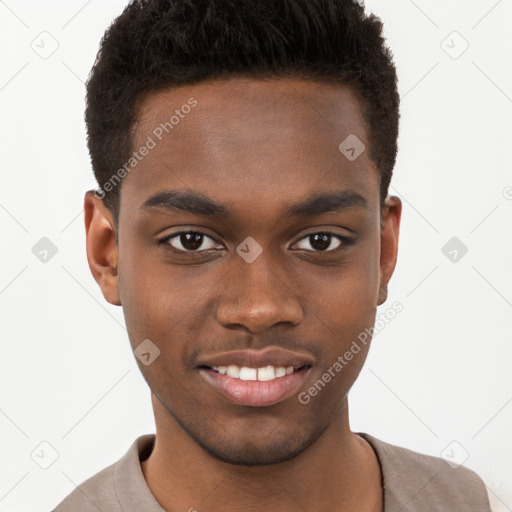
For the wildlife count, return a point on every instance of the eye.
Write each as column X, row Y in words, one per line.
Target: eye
column 196, row 241
column 325, row 242
column 189, row 241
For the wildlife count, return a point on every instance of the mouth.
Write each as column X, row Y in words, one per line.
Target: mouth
column 256, row 378
column 262, row 374
column 255, row 387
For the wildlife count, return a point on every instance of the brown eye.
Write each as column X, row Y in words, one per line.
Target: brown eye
column 190, row 241
column 324, row 242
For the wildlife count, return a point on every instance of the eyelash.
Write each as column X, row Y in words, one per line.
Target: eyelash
column 346, row 242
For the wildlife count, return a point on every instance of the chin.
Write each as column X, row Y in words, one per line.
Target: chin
column 247, row 453
column 246, row 447
column 249, row 440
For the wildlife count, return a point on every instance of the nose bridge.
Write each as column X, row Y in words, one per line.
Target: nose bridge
column 257, row 294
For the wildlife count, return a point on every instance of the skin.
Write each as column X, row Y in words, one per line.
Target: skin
column 258, row 147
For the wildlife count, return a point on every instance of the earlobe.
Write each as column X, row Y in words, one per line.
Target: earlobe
column 102, row 253
column 390, row 230
column 383, row 294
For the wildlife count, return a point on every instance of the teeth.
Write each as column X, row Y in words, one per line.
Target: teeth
column 281, row 371
column 246, row 373
column 232, row 371
column 266, row 373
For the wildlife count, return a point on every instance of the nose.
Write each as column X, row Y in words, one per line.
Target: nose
column 257, row 296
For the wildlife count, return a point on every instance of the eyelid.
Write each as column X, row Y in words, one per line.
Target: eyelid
column 165, row 240
column 344, row 240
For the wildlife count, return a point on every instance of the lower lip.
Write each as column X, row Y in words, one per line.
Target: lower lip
column 254, row 392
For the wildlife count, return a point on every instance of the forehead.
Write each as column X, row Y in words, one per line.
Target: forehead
column 245, row 137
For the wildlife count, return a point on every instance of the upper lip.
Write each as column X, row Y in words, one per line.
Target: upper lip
column 272, row 356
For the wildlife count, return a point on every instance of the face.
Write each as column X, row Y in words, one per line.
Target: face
column 245, row 228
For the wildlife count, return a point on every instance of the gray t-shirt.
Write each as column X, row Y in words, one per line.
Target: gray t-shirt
column 412, row 482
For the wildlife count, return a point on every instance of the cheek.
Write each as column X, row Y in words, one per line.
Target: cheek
column 345, row 311
column 155, row 304
column 348, row 293
column 161, row 303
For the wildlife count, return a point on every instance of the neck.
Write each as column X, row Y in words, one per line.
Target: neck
column 339, row 471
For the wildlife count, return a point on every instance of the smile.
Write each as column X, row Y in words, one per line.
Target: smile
column 256, row 378
column 256, row 387
column 264, row 373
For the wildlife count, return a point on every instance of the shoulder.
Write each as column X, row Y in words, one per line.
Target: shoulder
column 119, row 484
column 417, row 482
column 95, row 493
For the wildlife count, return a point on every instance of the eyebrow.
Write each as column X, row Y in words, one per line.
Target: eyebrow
column 197, row 203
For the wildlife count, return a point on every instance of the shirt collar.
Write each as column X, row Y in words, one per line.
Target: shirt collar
column 130, row 485
column 134, row 494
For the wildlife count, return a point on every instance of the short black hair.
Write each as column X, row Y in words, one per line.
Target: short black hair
column 157, row 44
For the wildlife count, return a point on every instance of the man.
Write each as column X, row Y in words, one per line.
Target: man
column 244, row 151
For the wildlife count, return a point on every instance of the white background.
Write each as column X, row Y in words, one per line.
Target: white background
column 438, row 373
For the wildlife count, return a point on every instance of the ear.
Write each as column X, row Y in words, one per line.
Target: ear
column 101, row 244
column 390, row 229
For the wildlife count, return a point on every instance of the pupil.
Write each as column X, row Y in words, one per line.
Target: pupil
column 320, row 241
column 191, row 241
